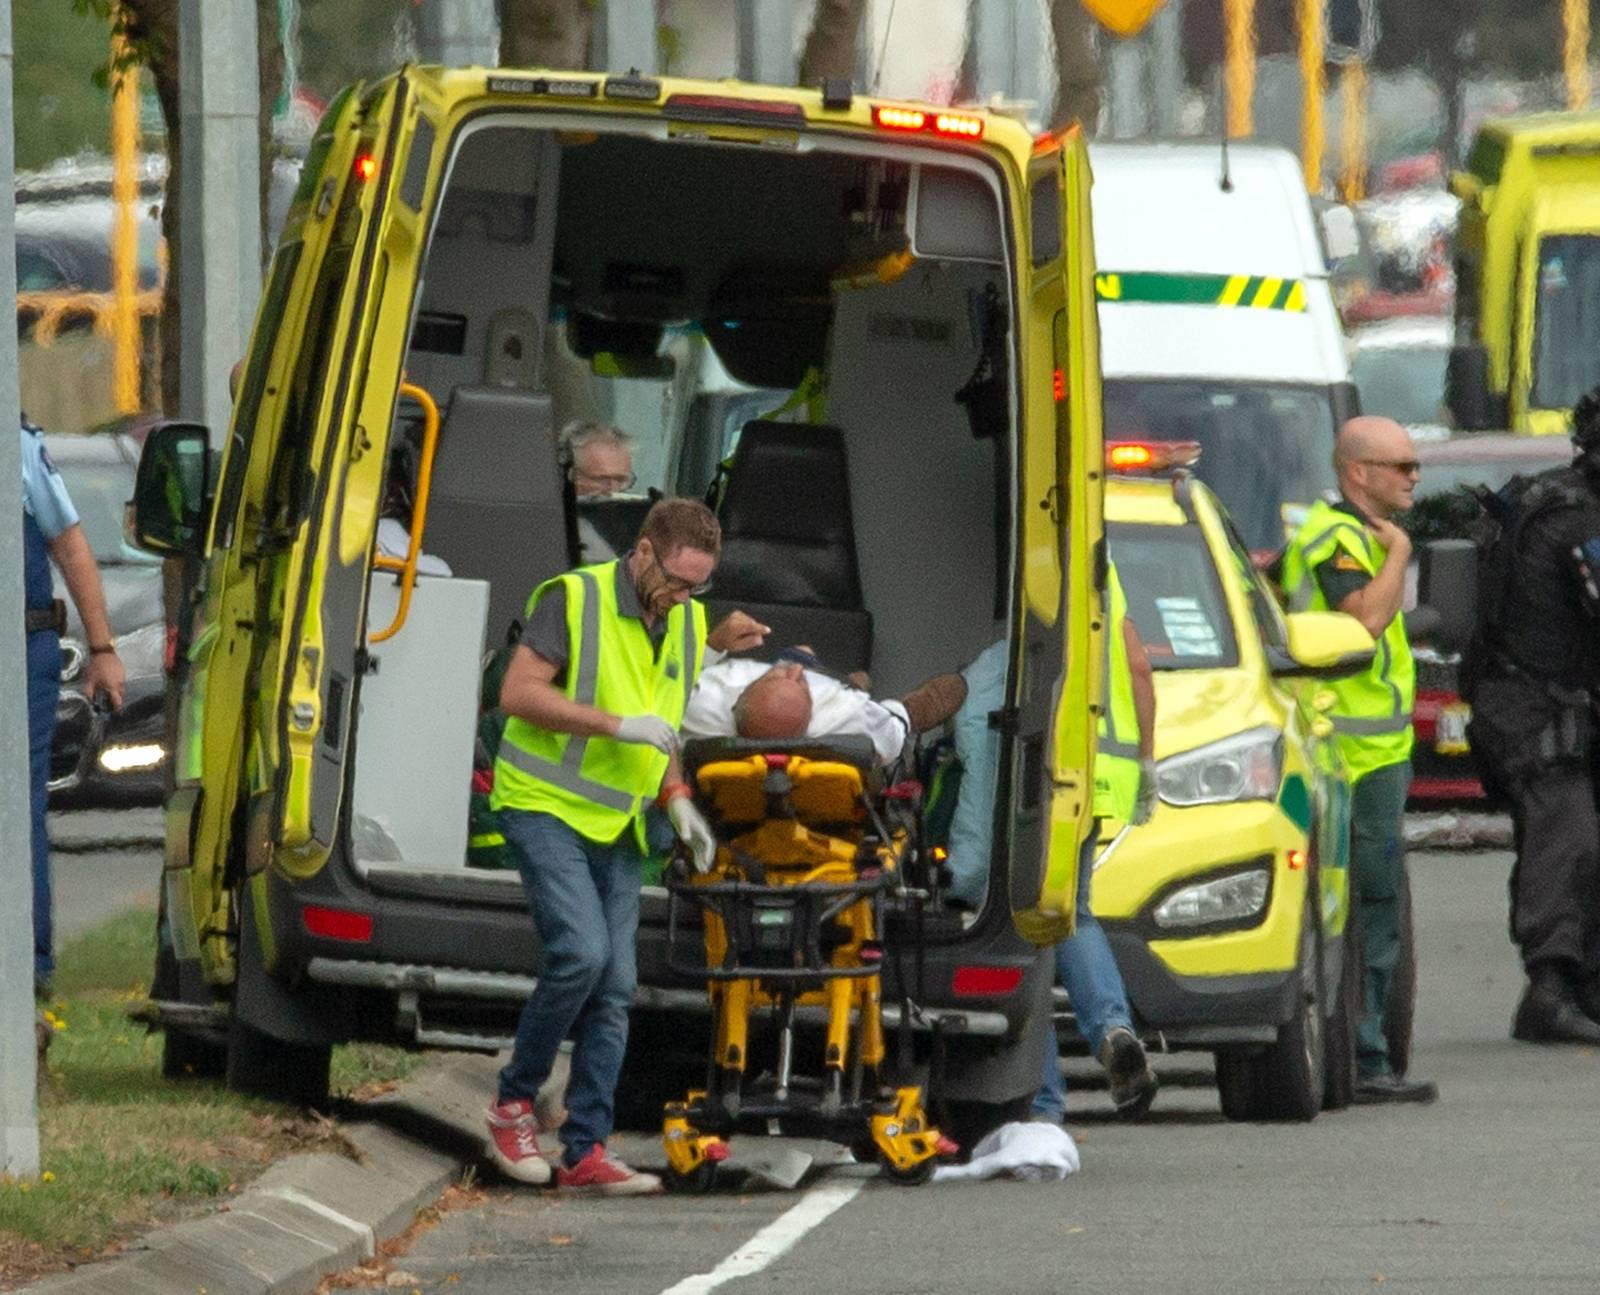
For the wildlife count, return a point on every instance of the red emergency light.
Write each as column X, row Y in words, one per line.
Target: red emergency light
column 1151, row 456
column 337, row 923
column 950, row 125
column 366, row 167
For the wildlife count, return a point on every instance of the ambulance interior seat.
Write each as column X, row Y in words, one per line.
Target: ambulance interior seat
column 498, row 508
column 788, row 543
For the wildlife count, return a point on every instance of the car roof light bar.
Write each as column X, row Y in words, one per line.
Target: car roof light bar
column 1135, row 457
column 950, row 125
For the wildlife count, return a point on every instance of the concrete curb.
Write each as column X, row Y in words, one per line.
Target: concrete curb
column 1463, row 830
column 314, row 1214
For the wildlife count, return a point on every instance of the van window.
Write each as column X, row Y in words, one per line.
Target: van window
column 1174, row 596
column 1045, row 198
column 1566, row 320
column 1261, row 445
column 284, row 265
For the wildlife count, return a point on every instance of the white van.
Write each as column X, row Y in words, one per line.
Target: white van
column 1217, row 321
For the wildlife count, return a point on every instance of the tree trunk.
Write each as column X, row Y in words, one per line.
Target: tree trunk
column 1078, row 86
column 831, row 47
column 545, row 33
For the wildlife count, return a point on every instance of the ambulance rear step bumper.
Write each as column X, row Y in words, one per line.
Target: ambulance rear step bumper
column 410, row 981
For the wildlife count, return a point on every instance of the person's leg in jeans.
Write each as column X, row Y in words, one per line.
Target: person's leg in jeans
column 44, row 689
column 1377, row 860
column 1087, row 969
column 600, row 1034
column 571, row 920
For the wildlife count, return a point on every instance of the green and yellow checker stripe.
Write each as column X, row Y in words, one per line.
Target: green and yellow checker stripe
column 1254, row 291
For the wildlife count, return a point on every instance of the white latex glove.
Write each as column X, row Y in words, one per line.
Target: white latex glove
column 648, row 730
column 693, row 830
column 1144, row 804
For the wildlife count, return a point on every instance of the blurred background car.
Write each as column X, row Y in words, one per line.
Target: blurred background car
column 1453, row 466
column 1399, row 369
column 101, row 757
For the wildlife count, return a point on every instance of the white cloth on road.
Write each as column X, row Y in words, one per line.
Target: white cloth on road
column 1032, row 1153
column 837, row 709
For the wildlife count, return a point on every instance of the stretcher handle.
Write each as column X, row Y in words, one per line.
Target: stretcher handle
column 407, row 566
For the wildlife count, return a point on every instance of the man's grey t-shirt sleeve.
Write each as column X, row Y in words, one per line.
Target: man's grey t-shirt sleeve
column 546, row 630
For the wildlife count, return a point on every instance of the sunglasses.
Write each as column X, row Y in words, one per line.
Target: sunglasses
column 1408, row 467
column 677, row 583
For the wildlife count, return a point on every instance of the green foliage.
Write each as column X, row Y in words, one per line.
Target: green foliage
column 61, row 110
column 123, row 1148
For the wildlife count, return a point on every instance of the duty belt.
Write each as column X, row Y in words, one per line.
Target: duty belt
column 53, row 617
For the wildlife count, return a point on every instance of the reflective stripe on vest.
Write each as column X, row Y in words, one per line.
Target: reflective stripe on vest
column 1372, row 712
column 597, row 785
column 1116, row 761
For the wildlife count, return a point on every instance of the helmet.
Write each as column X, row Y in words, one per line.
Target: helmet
column 1586, row 421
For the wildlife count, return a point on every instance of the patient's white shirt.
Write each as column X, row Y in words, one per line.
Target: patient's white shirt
column 837, row 709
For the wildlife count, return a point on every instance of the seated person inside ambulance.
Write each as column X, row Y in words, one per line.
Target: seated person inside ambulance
column 797, row 697
column 600, row 464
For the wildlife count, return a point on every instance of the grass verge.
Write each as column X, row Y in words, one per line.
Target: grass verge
column 121, row 1148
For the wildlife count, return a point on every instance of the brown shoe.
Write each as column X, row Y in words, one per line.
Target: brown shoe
column 934, row 701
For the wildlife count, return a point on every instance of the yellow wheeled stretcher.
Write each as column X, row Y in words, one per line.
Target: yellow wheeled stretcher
column 810, row 846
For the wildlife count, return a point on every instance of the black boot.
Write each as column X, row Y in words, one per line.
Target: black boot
column 1549, row 1012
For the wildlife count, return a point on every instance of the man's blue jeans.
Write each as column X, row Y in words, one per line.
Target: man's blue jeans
column 585, row 902
column 1088, row 969
column 44, row 690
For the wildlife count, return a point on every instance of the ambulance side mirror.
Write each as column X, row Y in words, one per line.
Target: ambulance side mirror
column 1322, row 645
column 170, row 504
column 1447, row 584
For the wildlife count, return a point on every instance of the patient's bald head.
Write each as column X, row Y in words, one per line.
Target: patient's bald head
column 775, row 705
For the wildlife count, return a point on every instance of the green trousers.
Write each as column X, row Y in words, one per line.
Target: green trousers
column 1378, row 864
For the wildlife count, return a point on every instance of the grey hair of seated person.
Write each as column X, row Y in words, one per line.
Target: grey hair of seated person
column 774, row 705
column 584, row 432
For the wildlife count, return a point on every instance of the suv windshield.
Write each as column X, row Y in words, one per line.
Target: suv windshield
column 1174, row 596
column 1566, row 334
column 1261, row 446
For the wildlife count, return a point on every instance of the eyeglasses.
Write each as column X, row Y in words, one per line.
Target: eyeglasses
column 604, row 483
column 677, row 583
column 1408, row 467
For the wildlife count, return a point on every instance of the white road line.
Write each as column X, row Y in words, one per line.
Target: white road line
column 774, row 1239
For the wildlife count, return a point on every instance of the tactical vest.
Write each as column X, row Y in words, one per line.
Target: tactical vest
column 1116, row 758
column 1372, row 710
column 599, row 786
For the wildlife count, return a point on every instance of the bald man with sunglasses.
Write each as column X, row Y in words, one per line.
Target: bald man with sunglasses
column 1351, row 556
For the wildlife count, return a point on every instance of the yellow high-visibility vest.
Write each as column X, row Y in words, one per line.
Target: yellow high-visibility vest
column 599, row 786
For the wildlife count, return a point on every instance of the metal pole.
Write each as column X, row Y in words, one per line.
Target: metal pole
column 1166, row 68
column 1313, row 82
column 19, row 1107
column 625, row 37
column 1353, row 135
column 1575, row 23
column 458, row 33
column 1007, row 37
column 220, row 251
column 124, row 233
column 1125, row 85
column 766, row 41
column 1239, row 75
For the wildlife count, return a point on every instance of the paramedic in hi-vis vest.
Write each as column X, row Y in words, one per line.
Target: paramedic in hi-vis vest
column 1124, row 792
column 595, row 693
column 1350, row 556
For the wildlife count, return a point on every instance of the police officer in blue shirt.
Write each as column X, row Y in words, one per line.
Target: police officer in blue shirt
column 51, row 531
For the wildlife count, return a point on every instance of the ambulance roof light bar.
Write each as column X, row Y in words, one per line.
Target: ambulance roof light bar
column 1141, row 457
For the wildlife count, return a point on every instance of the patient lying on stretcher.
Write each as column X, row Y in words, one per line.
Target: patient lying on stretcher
column 796, row 698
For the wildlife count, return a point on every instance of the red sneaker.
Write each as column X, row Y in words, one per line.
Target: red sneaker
column 601, row 1174
column 514, row 1142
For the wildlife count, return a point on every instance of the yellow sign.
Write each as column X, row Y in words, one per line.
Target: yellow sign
column 1125, row 17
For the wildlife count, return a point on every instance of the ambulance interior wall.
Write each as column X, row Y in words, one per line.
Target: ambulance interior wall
column 922, row 487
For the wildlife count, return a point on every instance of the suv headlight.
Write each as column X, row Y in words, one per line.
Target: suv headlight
column 1247, row 766
column 1230, row 899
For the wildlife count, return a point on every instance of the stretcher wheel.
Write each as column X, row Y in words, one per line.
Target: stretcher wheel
column 697, row 1182
column 915, row 1176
